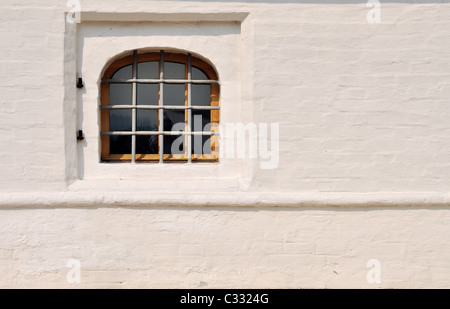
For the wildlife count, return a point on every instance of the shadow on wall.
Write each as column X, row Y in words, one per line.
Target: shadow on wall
column 81, row 145
column 122, row 29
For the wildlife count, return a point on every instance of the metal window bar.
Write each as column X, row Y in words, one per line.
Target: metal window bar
column 173, row 107
column 189, row 111
column 166, row 133
column 134, row 111
column 161, row 111
column 157, row 81
column 161, row 107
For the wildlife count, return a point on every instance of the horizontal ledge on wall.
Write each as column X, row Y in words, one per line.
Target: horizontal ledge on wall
column 162, row 17
column 208, row 199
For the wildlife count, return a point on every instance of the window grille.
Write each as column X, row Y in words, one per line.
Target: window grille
column 141, row 97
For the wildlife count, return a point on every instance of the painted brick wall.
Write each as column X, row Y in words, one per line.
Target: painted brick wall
column 225, row 248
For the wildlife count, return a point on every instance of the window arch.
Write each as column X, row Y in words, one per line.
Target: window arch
column 159, row 107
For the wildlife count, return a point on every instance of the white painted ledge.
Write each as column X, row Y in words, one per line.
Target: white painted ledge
column 90, row 16
column 241, row 199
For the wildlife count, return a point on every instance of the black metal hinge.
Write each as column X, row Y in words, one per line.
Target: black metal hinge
column 80, row 136
column 80, row 83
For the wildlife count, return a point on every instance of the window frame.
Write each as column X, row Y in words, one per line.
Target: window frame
column 161, row 57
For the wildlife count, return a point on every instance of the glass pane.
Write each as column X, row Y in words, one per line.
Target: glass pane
column 146, row 120
column 200, row 119
column 201, row 95
column 120, row 120
column 120, row 144
column 174, row 70
column 174, row 117
column 148, row 70
column 120, row 94
column 174, row 145
column 198, row 74
column 174, row 94
column 123, row 73
column 147, row 94
column 201, row 144
column 147, row 144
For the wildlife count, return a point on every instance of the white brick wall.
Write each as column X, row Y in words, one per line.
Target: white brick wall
column 363, row 121
column 225, row 248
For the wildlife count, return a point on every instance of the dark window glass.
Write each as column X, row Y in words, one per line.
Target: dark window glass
column 198, row 74
column 146, row 120
column 201, row 95
column 147, row 94
column 174, row 144
column 120, row 120
column 174, row 94
column 123, row 73
column 172, row 117
column 148, row 70
column 120, row 94
column 174, row 70
column 147, row 144
column 120, row 144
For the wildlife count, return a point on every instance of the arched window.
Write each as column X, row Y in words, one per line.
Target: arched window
column 159, row 106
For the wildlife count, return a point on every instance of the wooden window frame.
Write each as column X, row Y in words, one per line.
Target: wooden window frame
column 182, row 58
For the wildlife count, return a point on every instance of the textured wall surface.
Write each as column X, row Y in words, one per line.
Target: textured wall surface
column 225, row 248
column 363, row 113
